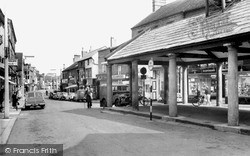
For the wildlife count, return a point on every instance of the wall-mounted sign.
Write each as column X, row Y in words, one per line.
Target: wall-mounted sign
column 1, row 39
column 13, row 62
column 151, row 64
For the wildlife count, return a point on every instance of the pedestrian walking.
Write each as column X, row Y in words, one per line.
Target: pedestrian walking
column 1, row 98
column 15, row 100
column 88, row 97
column 208, row 95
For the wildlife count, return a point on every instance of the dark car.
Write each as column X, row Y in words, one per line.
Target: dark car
column 120, row 95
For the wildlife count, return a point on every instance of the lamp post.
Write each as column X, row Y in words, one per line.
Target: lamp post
column 22, row 75
column 6, row 70
column 55, row 77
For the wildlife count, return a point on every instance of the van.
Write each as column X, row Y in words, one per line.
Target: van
column 34, row 99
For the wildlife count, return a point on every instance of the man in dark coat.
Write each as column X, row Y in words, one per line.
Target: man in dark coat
column 1, row 98
column 14, row 100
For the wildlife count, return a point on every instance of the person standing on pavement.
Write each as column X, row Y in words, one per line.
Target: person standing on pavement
column 88, row 97
column 1, row 98
column 14, row 100
column 208, row 95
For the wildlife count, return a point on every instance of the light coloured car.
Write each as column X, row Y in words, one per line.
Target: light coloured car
column 71, row 96
column 34, row 99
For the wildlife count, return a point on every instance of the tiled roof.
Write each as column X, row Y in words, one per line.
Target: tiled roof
column 235, row 20
column 171, row 9
column 91, row 53
column 85, row 56
column 73, row 66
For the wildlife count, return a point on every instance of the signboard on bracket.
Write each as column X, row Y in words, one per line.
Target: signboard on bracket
column 13, row 62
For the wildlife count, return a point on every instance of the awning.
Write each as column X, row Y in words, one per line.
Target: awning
column 11, row 82
column 72, row 86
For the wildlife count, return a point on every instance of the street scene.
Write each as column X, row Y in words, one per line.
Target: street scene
column 134, row 77
column 84, row 131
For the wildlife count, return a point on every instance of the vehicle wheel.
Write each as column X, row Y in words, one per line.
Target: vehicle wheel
column 27, row 107
column 117, row 103
column 103, row 103
column 42, row 107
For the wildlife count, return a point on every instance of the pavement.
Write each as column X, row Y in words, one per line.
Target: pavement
column 210, row 116
column 6, row 125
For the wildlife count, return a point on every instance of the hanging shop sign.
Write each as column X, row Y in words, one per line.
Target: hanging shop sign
column 13, row 62
column 151, row 64
column 1, row 39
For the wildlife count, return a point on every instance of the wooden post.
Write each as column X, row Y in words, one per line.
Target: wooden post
column 172, row 86
column 233, row 106
column 135, row 84
column 219, row 84
column 185, row 85
column 165, row 91
column 109, row 85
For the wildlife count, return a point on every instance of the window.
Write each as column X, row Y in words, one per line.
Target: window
column 119, row 70
column 31, row 95
column 154, row 74
column 154, row 85
column 104, row 68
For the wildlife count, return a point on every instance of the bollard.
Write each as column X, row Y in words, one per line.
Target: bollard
column 150, row 109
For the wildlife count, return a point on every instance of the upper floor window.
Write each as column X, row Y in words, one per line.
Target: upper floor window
column 119, row 70
column 104, row 68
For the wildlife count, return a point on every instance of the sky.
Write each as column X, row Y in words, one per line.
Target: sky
column 53, row 31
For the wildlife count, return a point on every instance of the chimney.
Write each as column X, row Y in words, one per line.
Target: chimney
column 76, row 58
column 83, row 52
column 157, row 4
column 112, row 42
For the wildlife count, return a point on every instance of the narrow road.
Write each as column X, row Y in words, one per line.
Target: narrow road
column 88, row 132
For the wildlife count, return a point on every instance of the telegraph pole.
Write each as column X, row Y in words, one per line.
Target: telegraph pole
column 6, row 70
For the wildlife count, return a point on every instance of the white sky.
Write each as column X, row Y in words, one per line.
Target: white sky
column 54, row 30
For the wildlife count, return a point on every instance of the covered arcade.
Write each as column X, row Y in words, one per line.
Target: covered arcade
column 222, row 37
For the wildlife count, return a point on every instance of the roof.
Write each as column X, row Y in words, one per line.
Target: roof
column 170, row 9
column 91, row 53
column 1, row 16
column 85, row 56
column 234, row 21
column 73, row 66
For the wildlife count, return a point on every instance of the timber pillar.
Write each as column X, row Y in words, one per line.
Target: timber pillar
column 135, row 87
column 219, row 84
column 233, row 106
column 165, row 91
column 172, row 86
column 185, row 84
column 109, row 85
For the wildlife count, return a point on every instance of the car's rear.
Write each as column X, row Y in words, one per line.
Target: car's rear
column 34, row 99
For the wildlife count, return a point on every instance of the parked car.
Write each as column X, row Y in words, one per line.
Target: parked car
column 80, row 95
column 34, row 99
column 120, row 95
column 71, row 96
column 51, row 95
column 62, row 95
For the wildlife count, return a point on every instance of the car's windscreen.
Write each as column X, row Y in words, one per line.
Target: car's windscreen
column 31, row 95
column 39, row 94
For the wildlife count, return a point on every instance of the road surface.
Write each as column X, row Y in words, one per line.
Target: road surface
column 89, row 132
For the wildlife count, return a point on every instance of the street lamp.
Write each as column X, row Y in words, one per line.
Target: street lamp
column 22, row 75
column 55, row 78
